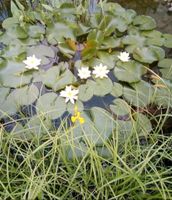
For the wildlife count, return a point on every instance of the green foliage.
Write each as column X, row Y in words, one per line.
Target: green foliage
column 119, row 151
column 66, row 38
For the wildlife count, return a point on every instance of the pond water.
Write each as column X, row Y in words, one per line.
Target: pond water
column 158, row 10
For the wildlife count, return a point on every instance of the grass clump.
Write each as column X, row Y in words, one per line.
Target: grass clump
column 39, row 168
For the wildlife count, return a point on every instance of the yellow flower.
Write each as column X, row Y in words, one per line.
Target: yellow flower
column 77, row 116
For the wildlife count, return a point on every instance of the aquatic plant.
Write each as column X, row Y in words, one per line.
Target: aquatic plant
column 78, row 55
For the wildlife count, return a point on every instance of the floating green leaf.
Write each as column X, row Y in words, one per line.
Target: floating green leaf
column 42, row 52
column 168, row 40
column 129, row 71
column 71, row 108
column 140, row 95
column 8, row 108
column 117, row 90
column 50, row 105
column 123, row 129
column 120, row 107
column 58, row 31
column 106, row 59
column 102, row 87
column 25, row 95
column 36, row 31
column 11, row 75
column 148, row 54
column 153, row 37
column 3, row 94
column 134, row 40
column 165, row 66
column 57, row 78
column 143, row 124
column 144, row 22
column 163, row 97
column 37, row 125
column 85, row 92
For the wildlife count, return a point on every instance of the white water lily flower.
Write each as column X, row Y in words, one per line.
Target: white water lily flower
column 70, row 94
column 32, row 62
column 124, row 56
column 100, row 71
column 84, row 73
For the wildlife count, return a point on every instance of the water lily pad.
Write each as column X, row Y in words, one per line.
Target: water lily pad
column 71, row 107
column 104, row 151
column 36, row 31
column 13, row 51
column 18, row 132
column 165, row 66
column 140, row 95
column 117, row 90
column 85, row 92
column 110, row 24
column 57, row 32
column 94, row 131
column 102, row 87
column 123, row 129
column 50, row 105
column 10, row 22
column 106, row 59
column 14, row 30
column 153, row 37
column 148, row 54
column 143, row 124
column 134, row 40
column 3, row 94
column 2, row 62
column 37, row 125
column 129, row 71
column 168, row 40
column 120, row 107
column 163, row 97
column 114, row 8
column 76, row 150
column 57, row 78
column 25, row 95
column 11, row 75
column 144, row 22
column 110, row 42
column 8, row 108
column 41, row 52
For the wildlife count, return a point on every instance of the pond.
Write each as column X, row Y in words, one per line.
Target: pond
column 120, row 52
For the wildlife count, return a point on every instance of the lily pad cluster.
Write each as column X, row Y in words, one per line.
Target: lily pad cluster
column 110, row 52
